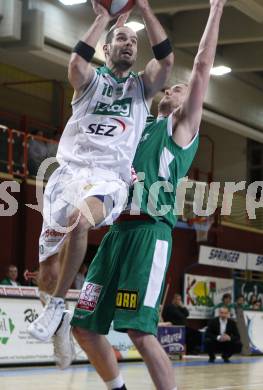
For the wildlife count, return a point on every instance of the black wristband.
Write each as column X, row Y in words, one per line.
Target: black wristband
column 84, row 50
column 162, row 50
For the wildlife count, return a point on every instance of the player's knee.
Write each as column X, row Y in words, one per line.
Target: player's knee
column 73, row 219
column 83, row 224
column 139, row 339
column 79, row 222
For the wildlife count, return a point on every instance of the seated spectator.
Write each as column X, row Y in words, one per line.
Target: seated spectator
column 222, row 336
column 80, row 277
column 226, row 302
column 11, row 277
column 53, row 147
column 253, row 299
column 177, row 314
column 257, row 305
column 37, row 152
column 240, row 302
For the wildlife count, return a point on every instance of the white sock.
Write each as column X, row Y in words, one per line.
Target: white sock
column 115, row 383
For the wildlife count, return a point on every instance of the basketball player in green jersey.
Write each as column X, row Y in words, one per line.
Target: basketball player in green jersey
column 125, row 280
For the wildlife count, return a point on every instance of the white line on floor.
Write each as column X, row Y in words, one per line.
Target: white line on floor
column 234, row 387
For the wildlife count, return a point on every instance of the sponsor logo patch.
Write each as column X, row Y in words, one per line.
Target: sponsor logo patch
column 51, row 235
column 118, row 108
column 107, row 130
column 89, row 296
column 127, row 300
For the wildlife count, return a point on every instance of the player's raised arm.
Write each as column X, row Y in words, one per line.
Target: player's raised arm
column 187, row 120
column 80, row 70
column 158, row 70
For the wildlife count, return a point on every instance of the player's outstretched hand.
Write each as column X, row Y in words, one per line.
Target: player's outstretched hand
column 142, row 4
column 100, row 10
column 122, row 19
column 218, row 2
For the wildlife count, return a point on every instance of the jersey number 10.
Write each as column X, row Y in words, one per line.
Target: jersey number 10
column 107, row 90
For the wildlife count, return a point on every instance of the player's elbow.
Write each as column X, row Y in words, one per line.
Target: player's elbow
column 79, row 73
column 202, row 66
column 73, row 67
column 168, row 62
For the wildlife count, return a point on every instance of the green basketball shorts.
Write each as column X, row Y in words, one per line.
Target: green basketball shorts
column 126, row 278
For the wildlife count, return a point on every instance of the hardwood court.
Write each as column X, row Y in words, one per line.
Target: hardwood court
column 241, row 374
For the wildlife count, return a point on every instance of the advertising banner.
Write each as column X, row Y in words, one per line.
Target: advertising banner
column 17, row 346
column 248, row 288
column 219, row 257
column 255, row 262
column 202, row 293
column 254, row 321
column 172, row 339
column 30, row 292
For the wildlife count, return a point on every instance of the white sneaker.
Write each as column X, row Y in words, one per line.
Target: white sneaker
column 44, row 327
column 63, row 343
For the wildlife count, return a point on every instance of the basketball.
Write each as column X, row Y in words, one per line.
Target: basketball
column 117, row 7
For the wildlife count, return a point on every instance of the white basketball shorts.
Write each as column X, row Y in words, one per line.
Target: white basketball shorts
column 66, row 191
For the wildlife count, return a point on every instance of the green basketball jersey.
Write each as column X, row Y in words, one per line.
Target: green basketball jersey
column 163, row 163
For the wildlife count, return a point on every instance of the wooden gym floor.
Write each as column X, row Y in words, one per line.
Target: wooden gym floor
column 193, row 374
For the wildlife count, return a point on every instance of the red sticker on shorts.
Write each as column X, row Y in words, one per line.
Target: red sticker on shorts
column 51, row 235
column 89, row 296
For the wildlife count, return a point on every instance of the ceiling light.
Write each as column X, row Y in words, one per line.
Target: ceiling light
column 135, row 26
column 220, row 70
column 73, row 2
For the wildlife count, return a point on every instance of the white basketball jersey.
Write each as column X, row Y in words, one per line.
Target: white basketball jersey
column 106, row 125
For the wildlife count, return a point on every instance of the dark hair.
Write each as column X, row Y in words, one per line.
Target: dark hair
column 240, row 296
column 227, row 295
column 253, row 299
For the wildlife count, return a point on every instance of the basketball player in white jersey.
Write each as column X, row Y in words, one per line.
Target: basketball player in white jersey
column 110, row 107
